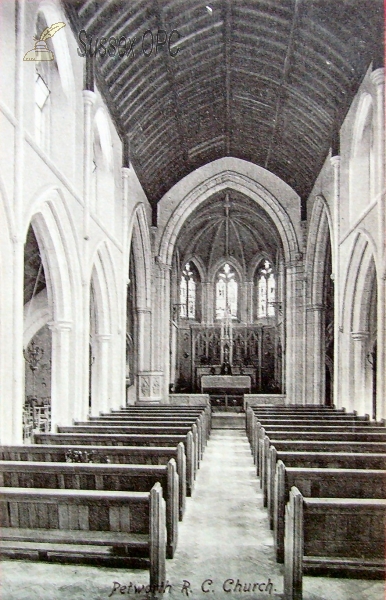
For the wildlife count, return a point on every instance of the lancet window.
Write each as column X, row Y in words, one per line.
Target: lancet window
column 188, row 293
column 266, row 291
column 226, row 293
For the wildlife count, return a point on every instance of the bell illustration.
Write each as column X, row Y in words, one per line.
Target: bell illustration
column 41, row 52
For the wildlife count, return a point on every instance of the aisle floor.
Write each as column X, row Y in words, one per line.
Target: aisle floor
column 225, row 547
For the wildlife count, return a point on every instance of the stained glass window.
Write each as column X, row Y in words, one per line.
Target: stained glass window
column 187, row 294
column 226, row 293
column 266, row 291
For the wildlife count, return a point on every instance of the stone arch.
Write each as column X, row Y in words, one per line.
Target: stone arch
column 196, row 260
column 232, row 262
column 255, row 262
column 319, row 246
column 140, row 240
column 101, row 331
column 242, row 183
column 360, row 257
column 361, row 282
column 319, row 235
column 62, row 273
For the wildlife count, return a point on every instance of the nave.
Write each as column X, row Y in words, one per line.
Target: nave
column 224, row 535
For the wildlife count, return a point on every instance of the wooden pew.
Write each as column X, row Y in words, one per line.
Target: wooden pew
column 320, row 435
column 85, row 525
column 343, row 536
column 323, row 483
column 133, row 455
column 310, row 446
column 88, row 476
column 321, row 460
column 155, row 421
column 253, row 416
column 314, row 425
column 204, row 413
column 164, row 429
column 103, row 439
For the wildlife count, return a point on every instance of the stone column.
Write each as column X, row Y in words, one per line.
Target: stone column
column 205, row 302
column 359, row 394
column 100, row 401
column 88, row 102
column 315, row 358
column 249, row 301
column 381, row 348
column 12, row 428
column 295, row 331
column 144, row 339
column 335, row 241
column 161, row 331
column 62, row 405
column 378, row 79
column 13, row 431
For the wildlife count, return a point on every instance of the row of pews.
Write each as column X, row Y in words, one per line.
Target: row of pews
column 323, row 476
column 108, row 491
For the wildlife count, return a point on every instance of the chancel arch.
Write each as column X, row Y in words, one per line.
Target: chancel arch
column 232, row 238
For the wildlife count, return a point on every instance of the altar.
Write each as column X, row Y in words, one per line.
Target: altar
column 226, row 391
column 226, row 384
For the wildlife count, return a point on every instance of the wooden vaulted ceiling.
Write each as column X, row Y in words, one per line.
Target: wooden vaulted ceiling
column 268, row 81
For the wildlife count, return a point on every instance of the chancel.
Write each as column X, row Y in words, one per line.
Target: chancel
column 192, row 298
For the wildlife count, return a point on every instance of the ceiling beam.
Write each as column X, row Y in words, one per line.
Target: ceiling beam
column 281, row 90
column 170, row 73
column 227, row 20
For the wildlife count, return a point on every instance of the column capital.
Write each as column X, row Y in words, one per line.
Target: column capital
column 125, row 172
column 143, row 311
column 377, row 77
column 89, row 97
column 360, row 336
column 60, row 325
column 316, row 307
column 335, row 160
column 103, row 337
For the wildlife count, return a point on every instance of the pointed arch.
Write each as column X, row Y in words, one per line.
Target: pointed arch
column 318, row 238
column 237, row 181
column 140, row 241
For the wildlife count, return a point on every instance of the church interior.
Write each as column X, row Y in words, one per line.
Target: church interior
column 193, row 299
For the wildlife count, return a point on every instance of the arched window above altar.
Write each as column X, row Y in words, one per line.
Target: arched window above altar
column 226, row 292
column 266, row 290
column 188, row 293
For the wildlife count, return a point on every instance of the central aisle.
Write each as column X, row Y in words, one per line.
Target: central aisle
column 225, row 533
